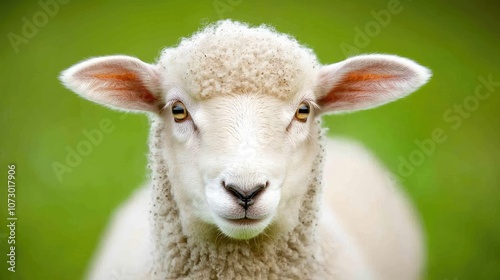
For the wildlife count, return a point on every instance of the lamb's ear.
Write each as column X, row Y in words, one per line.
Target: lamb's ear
column 367, row 81
column 120, row 82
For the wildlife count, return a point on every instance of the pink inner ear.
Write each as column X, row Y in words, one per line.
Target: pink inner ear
column 121, row 82
column 355, row 77
column 127, row 82
column 362, row 81
column 367, row 81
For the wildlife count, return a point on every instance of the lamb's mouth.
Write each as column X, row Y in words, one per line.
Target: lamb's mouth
column 243, row 221
column 243, row 228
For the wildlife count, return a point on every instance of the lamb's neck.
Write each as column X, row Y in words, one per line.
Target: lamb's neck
column 177, row 255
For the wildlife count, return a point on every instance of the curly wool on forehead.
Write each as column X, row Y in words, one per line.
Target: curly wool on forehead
column 232, row 58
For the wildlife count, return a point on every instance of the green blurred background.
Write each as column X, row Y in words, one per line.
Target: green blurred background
column 455, row 186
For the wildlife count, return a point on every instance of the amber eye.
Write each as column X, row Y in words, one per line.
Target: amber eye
column 302, row 112
column 179, row 111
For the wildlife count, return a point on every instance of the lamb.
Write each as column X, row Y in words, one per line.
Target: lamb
column 237, row 155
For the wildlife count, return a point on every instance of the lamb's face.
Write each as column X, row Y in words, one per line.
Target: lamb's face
column 233, row 101
column 240, row 162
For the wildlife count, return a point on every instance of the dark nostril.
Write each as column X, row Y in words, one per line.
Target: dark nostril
column 255, row 191
column 245, row 198
column 234, row 191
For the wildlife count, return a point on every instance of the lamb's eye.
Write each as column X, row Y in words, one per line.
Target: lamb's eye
column 302, row 112
column 179, row 111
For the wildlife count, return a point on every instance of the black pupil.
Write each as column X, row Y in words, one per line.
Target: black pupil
column 178, row 110
column 304, row 109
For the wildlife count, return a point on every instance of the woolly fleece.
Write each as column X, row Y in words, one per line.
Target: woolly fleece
column 232, row 58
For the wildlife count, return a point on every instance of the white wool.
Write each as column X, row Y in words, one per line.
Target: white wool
column 231, row 58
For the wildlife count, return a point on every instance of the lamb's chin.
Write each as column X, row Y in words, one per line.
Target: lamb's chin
column 242, row 229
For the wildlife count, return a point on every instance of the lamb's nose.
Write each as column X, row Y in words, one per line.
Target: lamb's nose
column 245, row 198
